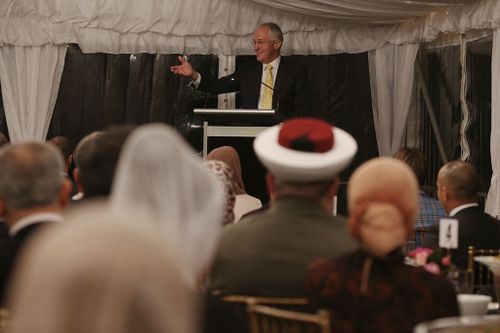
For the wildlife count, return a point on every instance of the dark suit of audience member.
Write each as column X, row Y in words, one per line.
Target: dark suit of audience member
column 33, row 190
column 458, row 184
column 288, row 85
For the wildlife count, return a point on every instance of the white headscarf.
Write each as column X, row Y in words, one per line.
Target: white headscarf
column 160, row 176
column 100, row 278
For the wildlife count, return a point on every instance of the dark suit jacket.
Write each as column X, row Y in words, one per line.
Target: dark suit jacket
column 475, row 228
column 291, row 95
column 10, row 249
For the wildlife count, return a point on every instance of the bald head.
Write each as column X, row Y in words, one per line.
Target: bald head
column 458, row 183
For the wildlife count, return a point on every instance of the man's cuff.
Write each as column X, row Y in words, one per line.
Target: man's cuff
column 196, row 82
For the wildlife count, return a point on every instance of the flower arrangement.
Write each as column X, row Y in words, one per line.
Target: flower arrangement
column 433, row 261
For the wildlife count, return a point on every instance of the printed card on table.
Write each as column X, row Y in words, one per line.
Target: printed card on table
column 448, row 233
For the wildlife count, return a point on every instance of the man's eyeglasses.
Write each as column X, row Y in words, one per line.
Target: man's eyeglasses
column 261, row 42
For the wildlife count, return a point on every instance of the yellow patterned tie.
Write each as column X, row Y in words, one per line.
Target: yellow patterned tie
column 267, row 96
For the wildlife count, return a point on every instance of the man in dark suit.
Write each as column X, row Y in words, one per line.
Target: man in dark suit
column 33, row 190
column 458, row 184
column 277, row 83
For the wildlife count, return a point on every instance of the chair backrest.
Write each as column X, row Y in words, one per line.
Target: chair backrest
column 4, row 319
column 275, row 301
column 266, row 319
column 483, row 277
column 418, row 235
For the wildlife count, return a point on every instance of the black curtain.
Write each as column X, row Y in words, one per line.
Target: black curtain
column 98, row 90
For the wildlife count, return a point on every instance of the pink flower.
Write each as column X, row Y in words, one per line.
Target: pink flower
column 446, row 261
column 419, row 250
column 432, row 268
column 420, row 254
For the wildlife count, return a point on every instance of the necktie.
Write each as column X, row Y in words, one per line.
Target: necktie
column 267, row 96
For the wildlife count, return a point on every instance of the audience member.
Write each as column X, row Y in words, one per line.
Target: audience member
column 225, row 176
column 458, row 185
column 96, row 157
column 64, row 145
column 430, row 210
column 159, row 175
column 372, row 290
column 244, row 202
column 33, row 190
column 268, row 253
column 91, row 276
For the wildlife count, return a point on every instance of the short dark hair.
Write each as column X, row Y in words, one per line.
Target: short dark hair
column 96, row 157
column 63, row 144
column 416, row 161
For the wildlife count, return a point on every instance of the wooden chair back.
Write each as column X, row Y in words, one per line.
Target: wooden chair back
column 288, row 303
column 4, row 319
column 483, row 277
column 418, row 235
column 267, row 319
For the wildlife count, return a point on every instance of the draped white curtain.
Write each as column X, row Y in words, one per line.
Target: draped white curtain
column 226, row 26
column 30, row 78
column 493, row 200
column 391, row 81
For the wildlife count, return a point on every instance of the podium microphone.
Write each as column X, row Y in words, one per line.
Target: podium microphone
column 267, row 86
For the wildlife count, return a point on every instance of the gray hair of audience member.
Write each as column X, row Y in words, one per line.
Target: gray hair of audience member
column 274, row 30
column 96, row 275
column 96, row 158
column 31, row 174
column 461, row 179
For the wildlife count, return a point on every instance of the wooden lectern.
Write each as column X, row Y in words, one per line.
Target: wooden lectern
column 234, row 123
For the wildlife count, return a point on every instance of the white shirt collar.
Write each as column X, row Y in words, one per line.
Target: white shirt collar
column 455, row 210
column 275, row 63
column 34, row 219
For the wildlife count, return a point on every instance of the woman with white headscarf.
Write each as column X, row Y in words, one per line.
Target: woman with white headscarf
column 372, row 290
column 91, row 276
column 160, row 176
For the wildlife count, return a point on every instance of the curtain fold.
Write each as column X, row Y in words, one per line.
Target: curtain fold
column 226, row 26
column 30, row 78
column 391, row 80
column 492, row 206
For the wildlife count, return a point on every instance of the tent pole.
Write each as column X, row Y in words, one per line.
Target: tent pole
column 430, row 110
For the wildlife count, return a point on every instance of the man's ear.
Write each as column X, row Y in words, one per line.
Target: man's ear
column 334, row 187
column 271, row 188
column 277, row 45
column 65, row 193
column 76, row 177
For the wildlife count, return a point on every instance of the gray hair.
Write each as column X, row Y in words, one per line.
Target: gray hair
column 31, row 174
column 274, row 30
